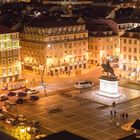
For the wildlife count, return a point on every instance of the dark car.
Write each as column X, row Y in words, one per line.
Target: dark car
column 34, row 98
column 11, row 94
column 22, row 94
column 21, row 100
column 4, row 98
column 26, row 90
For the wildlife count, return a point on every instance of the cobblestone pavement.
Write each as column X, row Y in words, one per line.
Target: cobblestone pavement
column 81, row 116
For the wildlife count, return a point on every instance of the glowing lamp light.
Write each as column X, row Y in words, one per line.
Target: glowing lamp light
column 28, row 129
column 22, row 130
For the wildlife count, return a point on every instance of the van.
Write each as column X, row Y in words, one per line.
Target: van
column 83, row 84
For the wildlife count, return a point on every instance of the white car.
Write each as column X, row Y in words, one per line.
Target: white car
column 83, row 84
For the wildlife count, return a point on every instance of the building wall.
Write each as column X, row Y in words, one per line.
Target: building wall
column 103, row 47
column 55, row 50
column 130, row 54
column 10, row 68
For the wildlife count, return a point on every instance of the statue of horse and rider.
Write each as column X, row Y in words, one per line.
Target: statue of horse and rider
column 108, row 69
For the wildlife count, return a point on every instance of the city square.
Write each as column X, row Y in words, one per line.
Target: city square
column 69, row 69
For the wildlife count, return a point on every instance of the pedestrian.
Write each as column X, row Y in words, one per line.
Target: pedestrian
column 126, row 115
column 111, row 112
column 123, row 115
column 115, row 112
column 114, row 104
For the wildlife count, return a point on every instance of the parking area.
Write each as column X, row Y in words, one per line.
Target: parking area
column 80, row 116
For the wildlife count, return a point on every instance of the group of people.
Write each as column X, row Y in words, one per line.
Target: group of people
column 124, row 115
column 113, row 114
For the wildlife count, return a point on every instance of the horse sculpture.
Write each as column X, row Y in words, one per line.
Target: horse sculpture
column 108, row 69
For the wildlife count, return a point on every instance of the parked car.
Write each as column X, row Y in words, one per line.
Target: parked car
column 83, row 84
column 21, row 100
column 34, row 98
column 33, row 91
column 21, row 94
column 11, row 94
column 11, row 121
column 4, row 98
column 21, row 118
column 2, row 116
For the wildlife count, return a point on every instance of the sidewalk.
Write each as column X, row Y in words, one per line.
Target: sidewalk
column 51, row 79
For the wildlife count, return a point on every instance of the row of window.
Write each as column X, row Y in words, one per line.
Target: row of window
column 9, row 53
column 135, row 50
column 56, row 38
column 130, row 41
column 4, row 62
column 55, row 30
column 10, row 70
column 9, row 44
column 134, row 58
column 9, row 36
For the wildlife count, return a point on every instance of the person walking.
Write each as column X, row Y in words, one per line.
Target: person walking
column 126, row 116
column 115, row 113
column 111, row 113
column 123, row 115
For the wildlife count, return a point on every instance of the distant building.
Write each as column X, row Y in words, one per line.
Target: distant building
column 103, row 43
column 130, row 52
column 55, row 47
column 10, row 69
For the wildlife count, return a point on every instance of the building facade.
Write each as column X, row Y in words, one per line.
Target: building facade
column 130, row 52
column 55, row 47
column 103, row 44
column 10, row 68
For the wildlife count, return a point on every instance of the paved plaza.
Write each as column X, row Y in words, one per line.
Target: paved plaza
column 82, row 116
column 126, row 94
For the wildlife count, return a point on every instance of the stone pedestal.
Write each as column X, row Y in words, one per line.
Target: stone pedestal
column 109, row 87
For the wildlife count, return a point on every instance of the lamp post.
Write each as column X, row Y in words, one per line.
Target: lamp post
column 42, row 74
column 136, row 70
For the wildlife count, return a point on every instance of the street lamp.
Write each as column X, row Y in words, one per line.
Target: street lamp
column 42, row 74
column 136, row 67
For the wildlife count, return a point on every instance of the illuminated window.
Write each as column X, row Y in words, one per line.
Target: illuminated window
column 9, row 52
column 125, row 41
column 124, row 49
column 3, row 62
column 3, row 53
column 129, row 57
column 135, row 41
column 9, row 61
column 135, row 50
column 130, row 41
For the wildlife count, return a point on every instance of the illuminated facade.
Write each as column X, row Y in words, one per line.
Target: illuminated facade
column 55, row 47
column 103, row 44
column 10, row 69
column 130, row 52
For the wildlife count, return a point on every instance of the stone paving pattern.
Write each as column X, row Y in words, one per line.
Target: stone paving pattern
column 90, row 120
